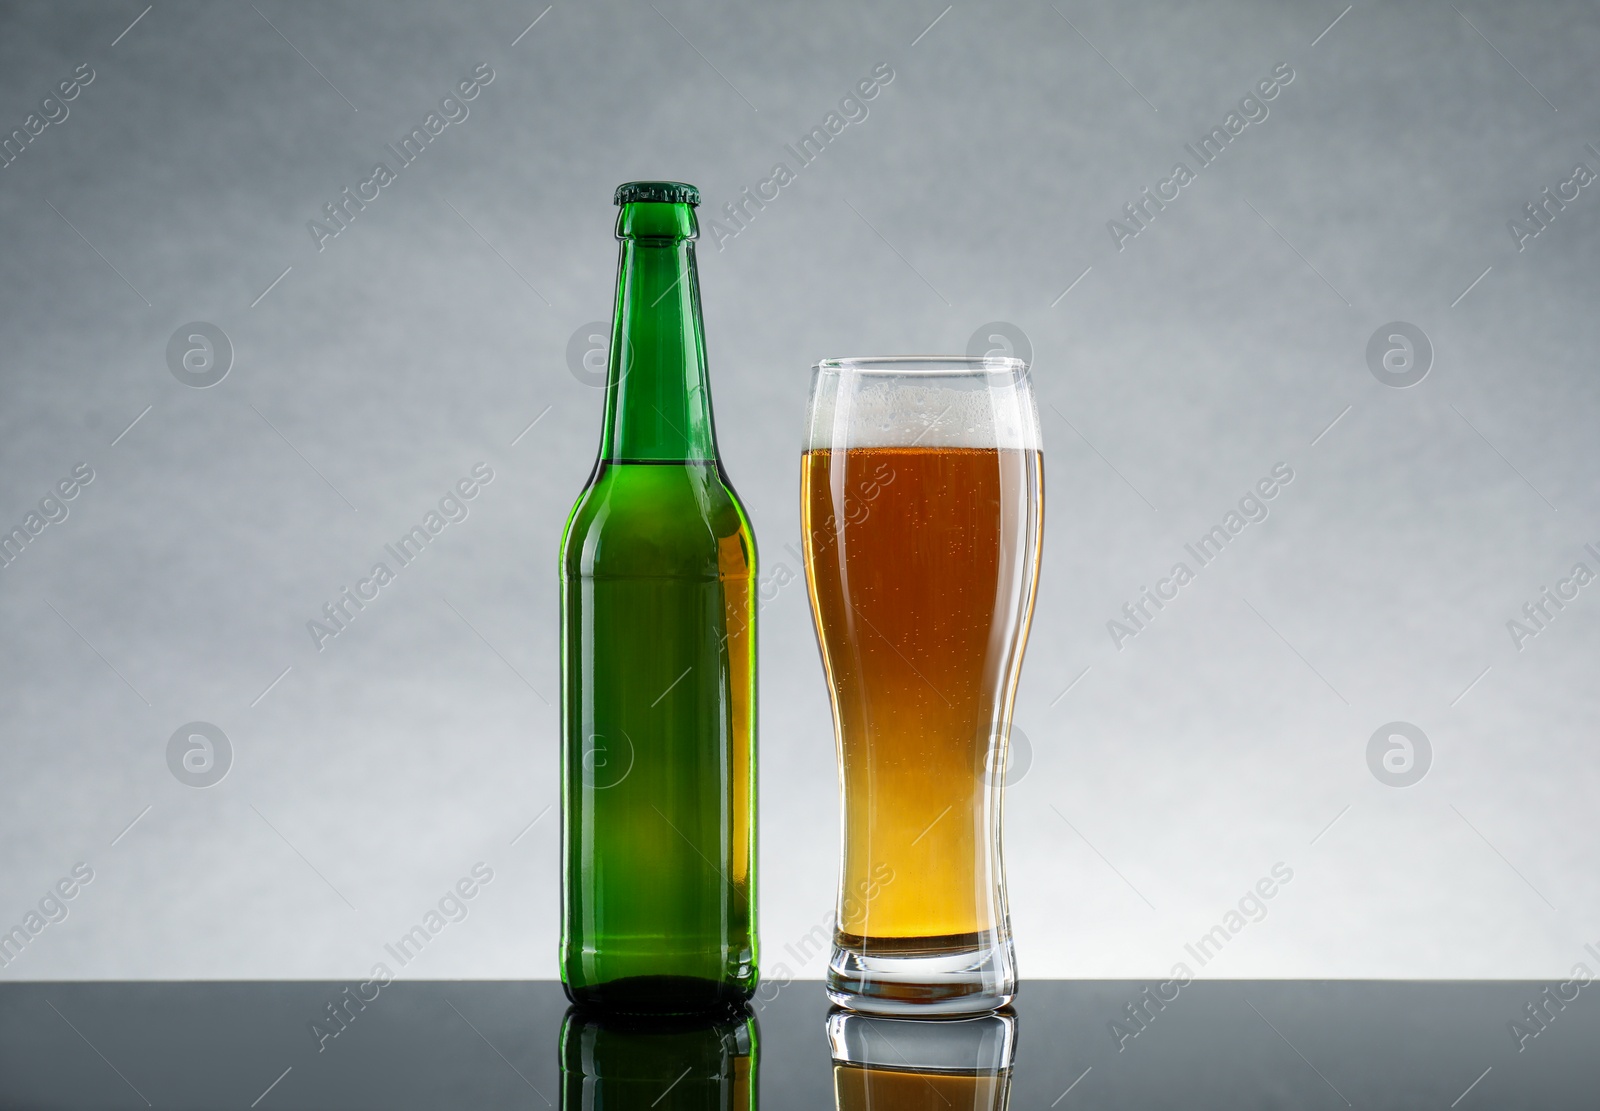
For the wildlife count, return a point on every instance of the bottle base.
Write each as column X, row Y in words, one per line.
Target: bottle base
column 922, row 976
column 658, row 995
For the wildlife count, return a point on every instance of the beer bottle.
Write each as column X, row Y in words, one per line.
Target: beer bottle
column 658, row 659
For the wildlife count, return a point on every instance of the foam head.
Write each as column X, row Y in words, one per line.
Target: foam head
column 955, row 401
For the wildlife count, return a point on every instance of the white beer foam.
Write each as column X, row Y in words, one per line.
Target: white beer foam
column 851, row 411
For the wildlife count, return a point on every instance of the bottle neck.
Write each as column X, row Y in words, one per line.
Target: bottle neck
column 658, row 403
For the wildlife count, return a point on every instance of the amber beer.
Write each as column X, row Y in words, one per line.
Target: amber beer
column 921, row 606
column 922, row 560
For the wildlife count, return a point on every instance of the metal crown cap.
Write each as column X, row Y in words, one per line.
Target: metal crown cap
column 659, row 192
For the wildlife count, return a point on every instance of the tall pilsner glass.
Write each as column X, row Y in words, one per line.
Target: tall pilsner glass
column 922, row 497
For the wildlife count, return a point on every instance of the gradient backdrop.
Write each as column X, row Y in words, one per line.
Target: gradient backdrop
column 967, row 205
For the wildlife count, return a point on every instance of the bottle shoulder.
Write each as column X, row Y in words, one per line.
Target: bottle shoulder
column 658, row 520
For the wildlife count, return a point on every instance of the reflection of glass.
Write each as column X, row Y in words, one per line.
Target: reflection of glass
column 906, row 1064
column 624, row 1063
column 922, row 495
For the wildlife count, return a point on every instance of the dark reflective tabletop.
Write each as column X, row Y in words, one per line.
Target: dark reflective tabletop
column 1070, row 1044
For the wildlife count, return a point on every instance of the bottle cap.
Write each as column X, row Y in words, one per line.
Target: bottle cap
column 660, row 192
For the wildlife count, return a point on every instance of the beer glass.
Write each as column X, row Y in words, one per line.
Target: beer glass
column 922, row 496
column 949, row 1064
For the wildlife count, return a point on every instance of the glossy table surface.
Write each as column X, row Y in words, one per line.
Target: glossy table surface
column 1216, row 1044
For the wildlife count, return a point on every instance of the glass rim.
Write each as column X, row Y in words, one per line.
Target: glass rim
column 923, row 365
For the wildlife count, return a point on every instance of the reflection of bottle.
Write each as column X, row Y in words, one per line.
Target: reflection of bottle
column 905, row 1064
column 635, row 1063
column 658, row 660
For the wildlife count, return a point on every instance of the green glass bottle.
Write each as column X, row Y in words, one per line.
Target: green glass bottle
column 658, row 659
column 657, row 1063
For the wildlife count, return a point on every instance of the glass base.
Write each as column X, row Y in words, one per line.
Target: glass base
column 922, row 976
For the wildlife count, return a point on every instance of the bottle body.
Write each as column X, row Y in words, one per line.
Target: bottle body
column 658, row 569
column 658, row 600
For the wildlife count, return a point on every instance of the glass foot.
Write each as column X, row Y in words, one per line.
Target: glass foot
column 911, row 977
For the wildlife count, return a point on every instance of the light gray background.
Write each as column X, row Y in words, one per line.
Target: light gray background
column 1229, row 735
